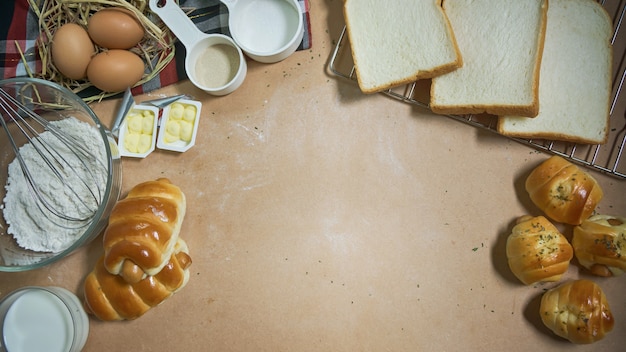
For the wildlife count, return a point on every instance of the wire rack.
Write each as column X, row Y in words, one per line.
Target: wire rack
column 605, row 158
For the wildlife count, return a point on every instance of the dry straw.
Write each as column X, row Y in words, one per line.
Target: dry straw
column 156, row 49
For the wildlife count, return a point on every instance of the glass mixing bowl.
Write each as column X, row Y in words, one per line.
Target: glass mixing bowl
column 52, row 102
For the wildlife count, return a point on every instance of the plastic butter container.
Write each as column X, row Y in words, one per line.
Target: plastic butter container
column 179, row 125
column 38, row 318
column 138, row 131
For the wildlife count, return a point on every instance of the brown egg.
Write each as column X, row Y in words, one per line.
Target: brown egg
column 113, row 28
column 115, row 70
column 72, row 50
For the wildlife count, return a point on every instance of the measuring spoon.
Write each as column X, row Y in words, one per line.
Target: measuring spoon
column 214, row 62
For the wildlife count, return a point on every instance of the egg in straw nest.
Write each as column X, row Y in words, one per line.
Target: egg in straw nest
column 141, row 61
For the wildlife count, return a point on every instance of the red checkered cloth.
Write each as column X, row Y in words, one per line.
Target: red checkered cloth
column 19, row 29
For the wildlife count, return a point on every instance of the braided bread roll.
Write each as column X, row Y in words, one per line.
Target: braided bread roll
column 600, row 245
column 537, row 251
column 577, row 311
column 562, row 191
column 110, row 297
column 143, row 229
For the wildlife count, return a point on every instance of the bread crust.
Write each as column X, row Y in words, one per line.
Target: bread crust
column 497, row 110
column 110, row 297
column 600, row 245
column 564, row 192
column 143, row 229
column 554, row 136
column 577, row 311
column 536, row 251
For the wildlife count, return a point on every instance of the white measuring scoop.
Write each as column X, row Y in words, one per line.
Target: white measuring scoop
column 214, row 62
column 267, row 31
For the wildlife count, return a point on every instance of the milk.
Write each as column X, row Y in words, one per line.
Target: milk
column 43, row 319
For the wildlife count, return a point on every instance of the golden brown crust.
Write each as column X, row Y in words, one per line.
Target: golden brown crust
column 500, row 110
column 131, row 272
column 161, row 187
column 143, row 229
column 110, row 297
column 577, row 311
column 537, row 251
column 600, row 245
column 564, row 192
column 553, row 136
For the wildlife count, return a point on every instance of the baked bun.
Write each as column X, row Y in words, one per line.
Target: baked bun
column 600, row 245
column 562, row 191
column 537, row 251
column 577, row 311
column 143, row 229
column 110, row 297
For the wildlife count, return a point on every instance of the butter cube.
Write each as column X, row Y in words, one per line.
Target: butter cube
column 190, row 113
column 147, row 123
column 173, row 127
column 134, row 122
column 144, row 143
column 186, row 131
column 131, row 141
column 177, row 111
column 170, row 138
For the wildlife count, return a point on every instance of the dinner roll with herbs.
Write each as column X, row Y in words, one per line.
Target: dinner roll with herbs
column 600, row 245
column 577, row 311
column 537, row 251
column 564, row 192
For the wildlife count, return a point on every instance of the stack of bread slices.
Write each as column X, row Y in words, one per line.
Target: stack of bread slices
column 543, row 67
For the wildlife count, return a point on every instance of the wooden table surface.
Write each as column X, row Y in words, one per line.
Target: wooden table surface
column 322, row 219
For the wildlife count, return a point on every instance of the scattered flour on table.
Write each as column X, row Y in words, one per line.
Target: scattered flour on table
column 32, row 225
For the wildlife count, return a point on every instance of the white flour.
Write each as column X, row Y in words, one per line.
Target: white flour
column 32, row 225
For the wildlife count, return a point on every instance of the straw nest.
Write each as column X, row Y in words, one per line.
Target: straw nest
column 156, row 49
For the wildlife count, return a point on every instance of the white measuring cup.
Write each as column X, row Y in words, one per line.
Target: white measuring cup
column 267, row 31
column 214, row 62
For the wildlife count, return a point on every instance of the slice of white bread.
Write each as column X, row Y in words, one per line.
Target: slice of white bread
column 501, row 42
column 575, row 84
column 397, row 42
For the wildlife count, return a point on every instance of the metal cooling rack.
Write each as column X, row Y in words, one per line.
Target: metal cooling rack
column 605, row 158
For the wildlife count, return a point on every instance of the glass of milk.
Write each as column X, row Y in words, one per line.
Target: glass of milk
column 42, row 319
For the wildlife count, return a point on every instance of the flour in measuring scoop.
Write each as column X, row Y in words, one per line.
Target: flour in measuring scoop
column 32, row 225
column 217, row 65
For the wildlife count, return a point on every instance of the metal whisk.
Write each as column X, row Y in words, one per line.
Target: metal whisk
column 83, row 188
